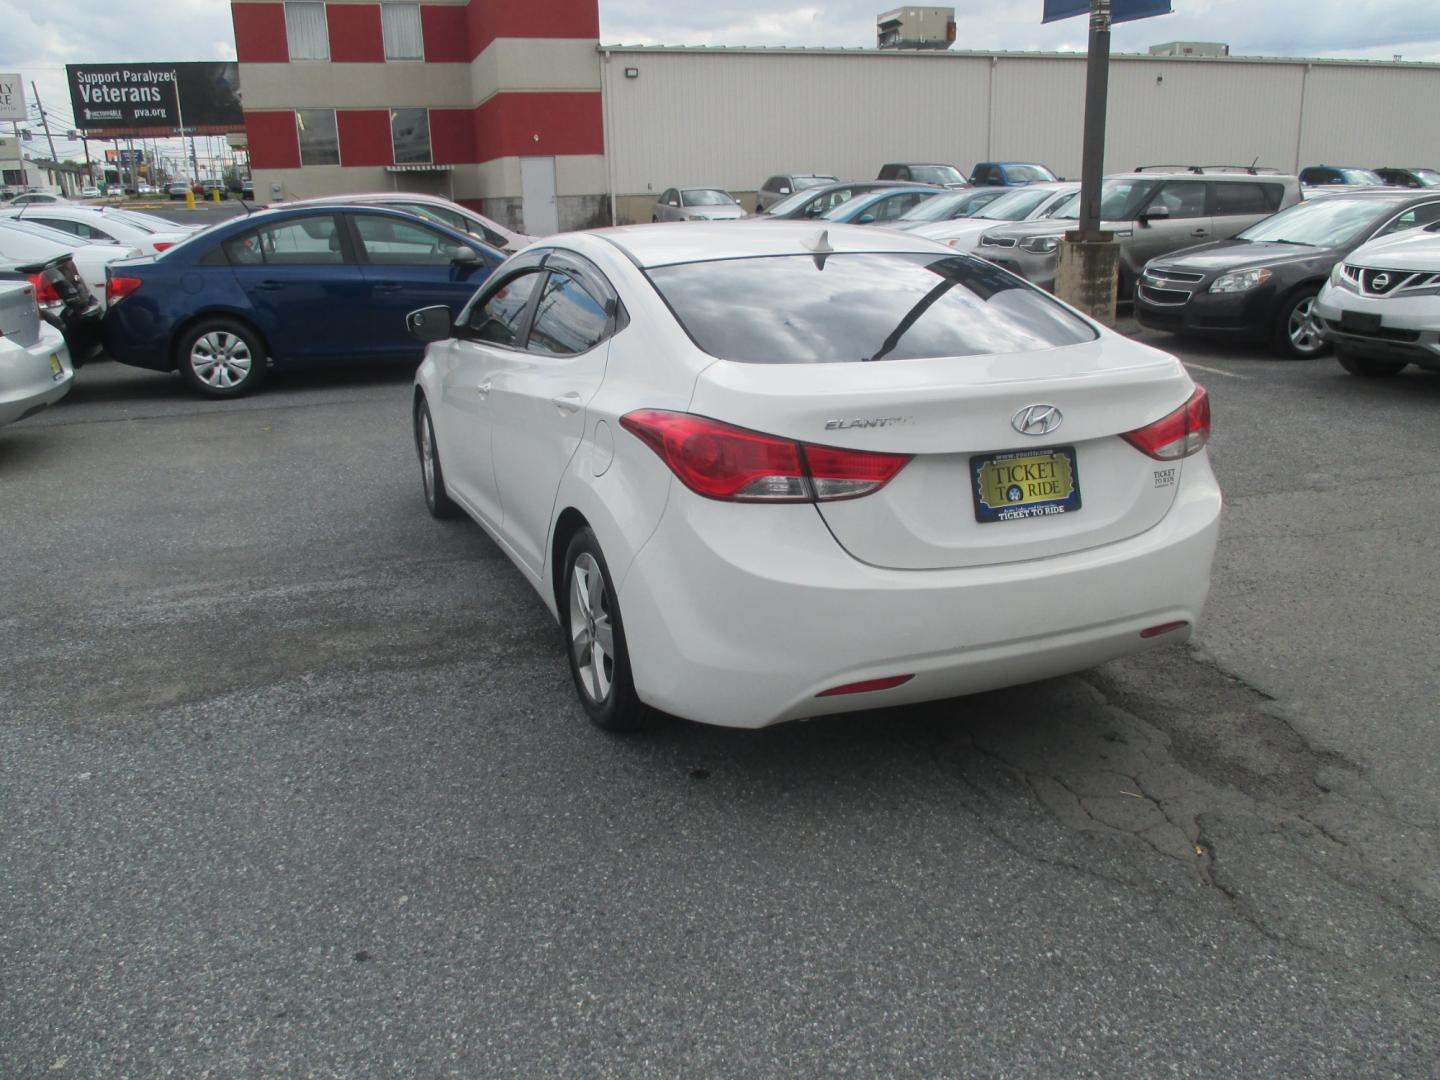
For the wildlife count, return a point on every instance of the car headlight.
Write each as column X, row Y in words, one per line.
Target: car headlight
column 1040, row 245
column 1240, row 281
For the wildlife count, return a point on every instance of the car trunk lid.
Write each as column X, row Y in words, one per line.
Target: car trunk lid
column 954, row 415
column 19, row 314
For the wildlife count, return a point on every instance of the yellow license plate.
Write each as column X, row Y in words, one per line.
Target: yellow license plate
column 57, row 371
column 1021, row 484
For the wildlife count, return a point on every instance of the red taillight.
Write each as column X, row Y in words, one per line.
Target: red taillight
column 161, row 245
column 117, row 288
column 721, row 461
column 1178, row 435
column 889, row 682
column 46, row 294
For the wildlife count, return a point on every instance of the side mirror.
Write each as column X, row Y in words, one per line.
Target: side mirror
column 464, row 256
column 784, row 190
column 431, row 323
column 1158, row 212
column 865, row 219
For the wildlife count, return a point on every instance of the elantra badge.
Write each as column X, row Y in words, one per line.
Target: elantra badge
column 1037, row 420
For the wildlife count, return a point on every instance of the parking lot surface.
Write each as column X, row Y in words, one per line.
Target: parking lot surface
column 295, row 783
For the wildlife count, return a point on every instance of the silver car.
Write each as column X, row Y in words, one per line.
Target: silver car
column 779, row 187
column 439, row 210
column 696, row 204
column 35, row 366
column 948, row 207
column 1151, row 214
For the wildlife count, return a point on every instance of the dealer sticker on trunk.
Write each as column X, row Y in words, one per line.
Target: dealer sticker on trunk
column 1025, row 484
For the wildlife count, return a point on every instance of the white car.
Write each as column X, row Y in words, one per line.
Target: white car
column 776, row 472
column 24, row 240
column 1381, row 306
column 35, row 366
column 1023, row 204
column 91, row 193
column 104, row 225
column 37, row 198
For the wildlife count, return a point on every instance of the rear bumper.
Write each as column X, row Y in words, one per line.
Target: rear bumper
column 28, row 383
column 743, row 627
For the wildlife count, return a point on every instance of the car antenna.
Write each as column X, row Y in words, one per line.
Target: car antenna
column 820, row 248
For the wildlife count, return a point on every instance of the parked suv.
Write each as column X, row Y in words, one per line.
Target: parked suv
column 1261, row 286
column 1009, row 174
column 1151, row 214
column 778, row 187
column 921, row 173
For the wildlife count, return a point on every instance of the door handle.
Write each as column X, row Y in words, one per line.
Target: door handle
column 271, row 286
column 389, row 287
column 483, row 389
column 566, row 403
column 1201, row 232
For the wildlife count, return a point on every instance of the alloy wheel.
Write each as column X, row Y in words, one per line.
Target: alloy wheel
column 592, row 637
column 427, row 456
column 221, row 360
column 1304, row 335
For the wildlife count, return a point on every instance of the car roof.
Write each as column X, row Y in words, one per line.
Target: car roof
column 665, row 245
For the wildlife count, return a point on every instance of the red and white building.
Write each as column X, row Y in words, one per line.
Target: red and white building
column 495, row 103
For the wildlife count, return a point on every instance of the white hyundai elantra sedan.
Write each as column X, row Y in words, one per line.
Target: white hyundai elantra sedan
column 777, row 472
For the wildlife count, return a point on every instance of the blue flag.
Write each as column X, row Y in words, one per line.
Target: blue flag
column 1121, row 10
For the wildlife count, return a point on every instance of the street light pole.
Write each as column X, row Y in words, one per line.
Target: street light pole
column 1088, row 259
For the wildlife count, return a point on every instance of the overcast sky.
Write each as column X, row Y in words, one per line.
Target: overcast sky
column 38, row 39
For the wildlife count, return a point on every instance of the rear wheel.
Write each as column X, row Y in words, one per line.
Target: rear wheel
column 1368, row 368
column 1297, row 334
column 595, row 638
column 221, row 358
column 432, row 476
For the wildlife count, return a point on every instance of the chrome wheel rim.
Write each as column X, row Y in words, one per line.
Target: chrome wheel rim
column 221, row 360
column 592, row 637
column 427, row 457
column 1304, row 334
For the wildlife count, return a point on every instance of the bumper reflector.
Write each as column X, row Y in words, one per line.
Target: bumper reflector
column 867, row 685
column 1163, row 628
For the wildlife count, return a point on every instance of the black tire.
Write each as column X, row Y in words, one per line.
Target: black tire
column 1367, row 368
column 1296, row 335
column 240, row 361
column 604, row 684
column 654, row 219
column 432, row 476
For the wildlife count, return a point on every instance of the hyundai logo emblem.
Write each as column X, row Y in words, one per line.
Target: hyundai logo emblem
column 1037, row 420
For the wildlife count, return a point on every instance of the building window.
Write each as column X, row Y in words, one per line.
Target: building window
column 410, row 136
column 319, row 143
column 306, row 29
column 401, row 25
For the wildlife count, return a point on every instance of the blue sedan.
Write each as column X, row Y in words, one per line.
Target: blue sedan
column 288, row 289
column 882, row 206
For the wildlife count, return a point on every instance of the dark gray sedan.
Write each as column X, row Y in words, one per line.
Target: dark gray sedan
column 696, row 204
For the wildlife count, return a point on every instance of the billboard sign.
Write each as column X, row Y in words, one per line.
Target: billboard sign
column 1120, row 10
column 12, row 98
column 126, row 157
column 144, row 96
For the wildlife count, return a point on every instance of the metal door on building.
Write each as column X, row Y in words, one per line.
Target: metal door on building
column 537, row 195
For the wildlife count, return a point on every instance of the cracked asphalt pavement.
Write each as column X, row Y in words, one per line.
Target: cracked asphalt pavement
column 293, row 783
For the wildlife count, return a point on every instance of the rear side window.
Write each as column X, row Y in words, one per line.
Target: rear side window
column 1243, row 198
column 568, row 320
column 804, row 309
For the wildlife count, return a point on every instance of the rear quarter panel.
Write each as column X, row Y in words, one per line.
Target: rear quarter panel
column 142, row 329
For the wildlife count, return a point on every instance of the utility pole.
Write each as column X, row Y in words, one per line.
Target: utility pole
column 1089, row 258
column 44, row 121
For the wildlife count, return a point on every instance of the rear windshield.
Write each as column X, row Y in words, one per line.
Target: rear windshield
column 825, row 309
column 1028, row 174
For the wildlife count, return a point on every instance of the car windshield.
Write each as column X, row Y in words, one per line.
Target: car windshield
column 1361, row 176
column 852, row 307
column 803, row 182
column 1015, row 205
column 1119, row 200
column 1331, row 222
column 936, row 174
column 1028, row 174
column 957, row 205
column 1427, row 177
column 705, row 197
column 790, row 202
column 850, row 207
